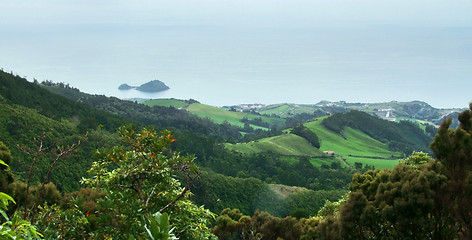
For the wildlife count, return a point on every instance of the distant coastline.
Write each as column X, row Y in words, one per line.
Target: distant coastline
column 151, row 86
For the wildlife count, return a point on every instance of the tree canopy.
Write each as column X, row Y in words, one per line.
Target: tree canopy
column 423, row 198
column 140, row 180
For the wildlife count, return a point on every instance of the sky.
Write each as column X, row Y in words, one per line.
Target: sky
column 268, row 12
column 355, row 50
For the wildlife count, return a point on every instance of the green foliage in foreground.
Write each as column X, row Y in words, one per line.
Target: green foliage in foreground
column 418, row 199
column 6, row 176
column 422, row 199
column 139, row 181
column 159, row 228
column 233, row 224
column 14, row 227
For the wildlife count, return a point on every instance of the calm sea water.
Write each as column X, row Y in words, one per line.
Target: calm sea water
column 225, row 66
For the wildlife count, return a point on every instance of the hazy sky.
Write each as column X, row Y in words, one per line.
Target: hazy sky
column 305, row 50
column 269, row 12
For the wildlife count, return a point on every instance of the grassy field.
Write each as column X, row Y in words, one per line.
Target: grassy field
column 288, row 144
column 355, row 146
column 219, row 115
column 169, row 102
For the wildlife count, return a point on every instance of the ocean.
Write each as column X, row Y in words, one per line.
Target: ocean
column 221, row 65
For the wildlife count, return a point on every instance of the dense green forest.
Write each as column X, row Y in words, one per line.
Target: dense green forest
column 80, row 166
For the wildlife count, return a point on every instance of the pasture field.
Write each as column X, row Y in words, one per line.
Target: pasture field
column 287, row 145
column 355, row 146
column 219, row 115
column 168, row 102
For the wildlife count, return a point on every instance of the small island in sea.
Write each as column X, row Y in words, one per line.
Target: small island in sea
column 152, row 86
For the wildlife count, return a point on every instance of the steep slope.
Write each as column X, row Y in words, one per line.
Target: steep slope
column 354, row 146
column 404, row 136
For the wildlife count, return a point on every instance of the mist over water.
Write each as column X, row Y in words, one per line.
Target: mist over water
column 221, row 65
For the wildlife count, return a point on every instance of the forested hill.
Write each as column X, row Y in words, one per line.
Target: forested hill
column 17, row 90
column 404, row 136
column 157, row 116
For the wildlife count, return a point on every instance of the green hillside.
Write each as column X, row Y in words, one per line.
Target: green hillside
column 20, row 126
column 404, row 136
column 354, row 146
column 17, row 90
column 288, row 144
column 219, row 115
